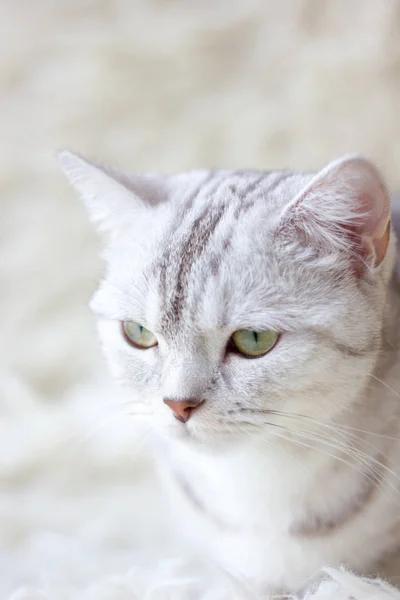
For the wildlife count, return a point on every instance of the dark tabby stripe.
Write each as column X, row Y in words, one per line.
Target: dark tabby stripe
column 316, row 525
column 176, row 263
column 251, row 194
column 162, row 266
column 194, row 500
column 193, row 247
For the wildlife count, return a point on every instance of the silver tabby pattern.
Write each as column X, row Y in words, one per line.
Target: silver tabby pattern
column 290, row 461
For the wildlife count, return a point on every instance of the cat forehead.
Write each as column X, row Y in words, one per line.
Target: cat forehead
column 218, row 235
column 203, row 204
column 204, row 214
column 211, row 256
column 240, row 187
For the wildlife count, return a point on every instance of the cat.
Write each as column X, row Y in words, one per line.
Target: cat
column 255, row 317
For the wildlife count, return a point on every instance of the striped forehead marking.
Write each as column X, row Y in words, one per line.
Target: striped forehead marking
column 175, row 263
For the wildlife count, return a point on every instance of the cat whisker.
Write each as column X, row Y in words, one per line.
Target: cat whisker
column 322, row 423
column 257, row 425
column 347, row 437
column 290, row 456
column 373, row 467
column 336, row 428
column 347, row 443
column 373, row 474
column 384, row 384
column 343, row 445
column 349, row 440
column 252, row 424
column 326, row 453
column 352, row 451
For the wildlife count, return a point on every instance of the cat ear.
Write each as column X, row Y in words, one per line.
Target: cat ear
column 111, row 197
column 345, row 207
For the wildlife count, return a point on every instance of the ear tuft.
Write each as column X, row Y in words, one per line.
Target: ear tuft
column 345, row 207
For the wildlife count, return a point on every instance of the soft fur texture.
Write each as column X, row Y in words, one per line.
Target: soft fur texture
column 290, row 459
column 181, row 579
column 145, row 85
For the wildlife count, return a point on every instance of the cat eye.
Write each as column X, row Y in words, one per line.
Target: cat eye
column 138, row 336
column 254, row 343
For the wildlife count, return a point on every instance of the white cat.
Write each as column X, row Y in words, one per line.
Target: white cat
column 256, row 316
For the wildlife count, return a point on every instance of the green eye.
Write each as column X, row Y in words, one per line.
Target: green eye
column 254, row 343
column 138, row 336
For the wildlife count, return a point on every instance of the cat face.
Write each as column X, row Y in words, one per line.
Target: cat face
column 234, row 301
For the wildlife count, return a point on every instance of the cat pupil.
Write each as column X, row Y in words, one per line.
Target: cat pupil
column 255, row 334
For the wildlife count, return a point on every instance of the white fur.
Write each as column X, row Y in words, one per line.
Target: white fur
column 331, row 298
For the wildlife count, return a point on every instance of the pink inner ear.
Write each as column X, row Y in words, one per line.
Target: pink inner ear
column 380, row 245
column 373, row 231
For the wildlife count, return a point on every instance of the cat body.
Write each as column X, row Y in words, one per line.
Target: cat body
column 285, row 461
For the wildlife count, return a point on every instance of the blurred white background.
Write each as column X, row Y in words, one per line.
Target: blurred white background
column 143, row 84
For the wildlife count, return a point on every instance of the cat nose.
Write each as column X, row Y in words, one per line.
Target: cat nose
column 182, row 408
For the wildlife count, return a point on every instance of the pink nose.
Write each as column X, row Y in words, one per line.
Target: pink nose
column 182, row 409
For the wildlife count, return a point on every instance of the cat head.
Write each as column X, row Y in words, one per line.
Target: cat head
column 234, row 300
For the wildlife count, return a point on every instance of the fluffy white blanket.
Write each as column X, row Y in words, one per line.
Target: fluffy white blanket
column 180, row 581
